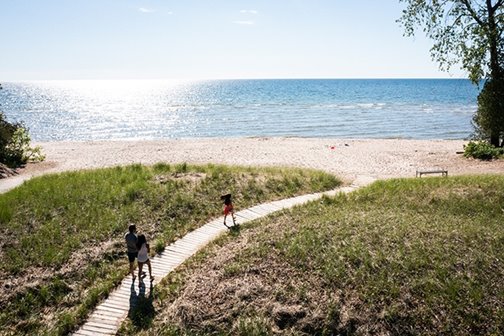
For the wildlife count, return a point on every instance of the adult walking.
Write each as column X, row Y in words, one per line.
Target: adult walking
column 143, row 255
column 131, row 243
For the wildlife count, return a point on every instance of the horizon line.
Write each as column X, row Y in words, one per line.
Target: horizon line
column 230, row 78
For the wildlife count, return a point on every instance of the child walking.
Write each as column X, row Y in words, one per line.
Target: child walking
column 228, row 208
column 143, row 255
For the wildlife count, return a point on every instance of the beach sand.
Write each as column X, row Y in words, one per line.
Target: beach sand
column 351, row 160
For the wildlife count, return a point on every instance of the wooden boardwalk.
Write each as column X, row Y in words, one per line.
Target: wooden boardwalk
column 109, row 315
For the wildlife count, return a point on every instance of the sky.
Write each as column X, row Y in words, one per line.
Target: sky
column 209, row 39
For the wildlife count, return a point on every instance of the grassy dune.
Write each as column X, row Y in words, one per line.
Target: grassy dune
column 62, row 249
column 400, row 257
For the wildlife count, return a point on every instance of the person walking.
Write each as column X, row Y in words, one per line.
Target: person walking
column 228, row 209
column 143, row 255
column 131, row 243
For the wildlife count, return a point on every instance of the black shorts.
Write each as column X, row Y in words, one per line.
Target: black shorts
column 132, row 256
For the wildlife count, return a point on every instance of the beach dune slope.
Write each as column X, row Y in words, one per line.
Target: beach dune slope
column 349, row 159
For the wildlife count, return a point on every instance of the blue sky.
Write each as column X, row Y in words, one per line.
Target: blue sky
column 189, row 39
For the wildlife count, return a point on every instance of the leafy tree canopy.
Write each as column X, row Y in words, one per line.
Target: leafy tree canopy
column 465, row 31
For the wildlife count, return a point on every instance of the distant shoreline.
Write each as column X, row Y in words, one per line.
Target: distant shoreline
column 349, row 159
column 231, row 79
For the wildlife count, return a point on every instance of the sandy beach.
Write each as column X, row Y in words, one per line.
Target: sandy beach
column 351, row 160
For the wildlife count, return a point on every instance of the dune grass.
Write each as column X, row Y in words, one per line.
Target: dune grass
column 62, row 249
column 400, row 257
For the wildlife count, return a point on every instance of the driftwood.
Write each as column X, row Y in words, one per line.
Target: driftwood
column 6, row 171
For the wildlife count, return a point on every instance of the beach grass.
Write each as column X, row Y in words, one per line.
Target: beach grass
column 400, row 257
column 63, row 250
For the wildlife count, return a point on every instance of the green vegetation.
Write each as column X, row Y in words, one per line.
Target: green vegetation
column 482, row 150
column 467, row 33
column 62, row 249
column 15, row 147
column 488, row 120
column 400, row 257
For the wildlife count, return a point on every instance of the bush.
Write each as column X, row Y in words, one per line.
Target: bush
column 15, row 147
column 488, row 120
column 482, row 150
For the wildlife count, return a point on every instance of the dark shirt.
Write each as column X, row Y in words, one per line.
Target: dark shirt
column 131, row 241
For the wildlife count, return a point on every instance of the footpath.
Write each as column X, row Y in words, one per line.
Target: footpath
column 109, row 315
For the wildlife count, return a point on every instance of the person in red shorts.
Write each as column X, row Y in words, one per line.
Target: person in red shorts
column 228, row 208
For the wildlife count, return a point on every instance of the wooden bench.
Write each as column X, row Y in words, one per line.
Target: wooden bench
column 426, row 171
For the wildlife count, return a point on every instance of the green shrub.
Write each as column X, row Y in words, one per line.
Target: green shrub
column 482, row 150
column 15, row 147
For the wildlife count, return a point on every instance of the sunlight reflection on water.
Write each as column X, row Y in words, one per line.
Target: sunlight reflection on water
column 156, row 109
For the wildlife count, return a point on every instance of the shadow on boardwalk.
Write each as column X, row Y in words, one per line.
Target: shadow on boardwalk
column 141, row 311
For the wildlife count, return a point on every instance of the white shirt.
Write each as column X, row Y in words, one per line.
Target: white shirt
column 143, row 255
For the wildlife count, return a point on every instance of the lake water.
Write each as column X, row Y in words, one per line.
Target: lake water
column 156, row 109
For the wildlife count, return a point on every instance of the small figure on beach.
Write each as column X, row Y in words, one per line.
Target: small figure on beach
column 143, row 255
column 131, row 243
column 228, row 208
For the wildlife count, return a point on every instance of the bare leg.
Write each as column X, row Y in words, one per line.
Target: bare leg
column 132, row 269
column 150, row 269
column 140, row 266
column 233, row 216
column 225, row 221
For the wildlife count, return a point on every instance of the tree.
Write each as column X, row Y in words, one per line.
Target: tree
column 469, row 33
column 7, row 130
column 15, row 147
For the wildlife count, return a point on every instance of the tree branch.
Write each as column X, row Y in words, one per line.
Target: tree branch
column 473, row 13
column 493, row 9
column 498, row 4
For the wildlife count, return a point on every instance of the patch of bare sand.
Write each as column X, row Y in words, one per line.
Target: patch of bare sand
column 349, row 159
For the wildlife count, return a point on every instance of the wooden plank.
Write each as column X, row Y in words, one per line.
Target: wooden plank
column 241, row 219
column 170, row 249
column 174, row 259
column 194, row 242
column 169, row 255
column 260, row 212
column 119, row 301
column 112, row 311
column 112, row 325
column 176, row 247
column 272, row 207
column 81, row 332
column 170, row 260
column 162, row 270
column 252, row 215
column 101, row 325
column 280, row 203
column 182, row 253
column 98, row 331
column 118, row 294
column 203, row 234
column 167, row 264
column 193, row 236
column 289, row 203
column 115, row 305
column 102, row 317
column 184, row 244
column 163, row 267
column 125, row 290
column 215, row 223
